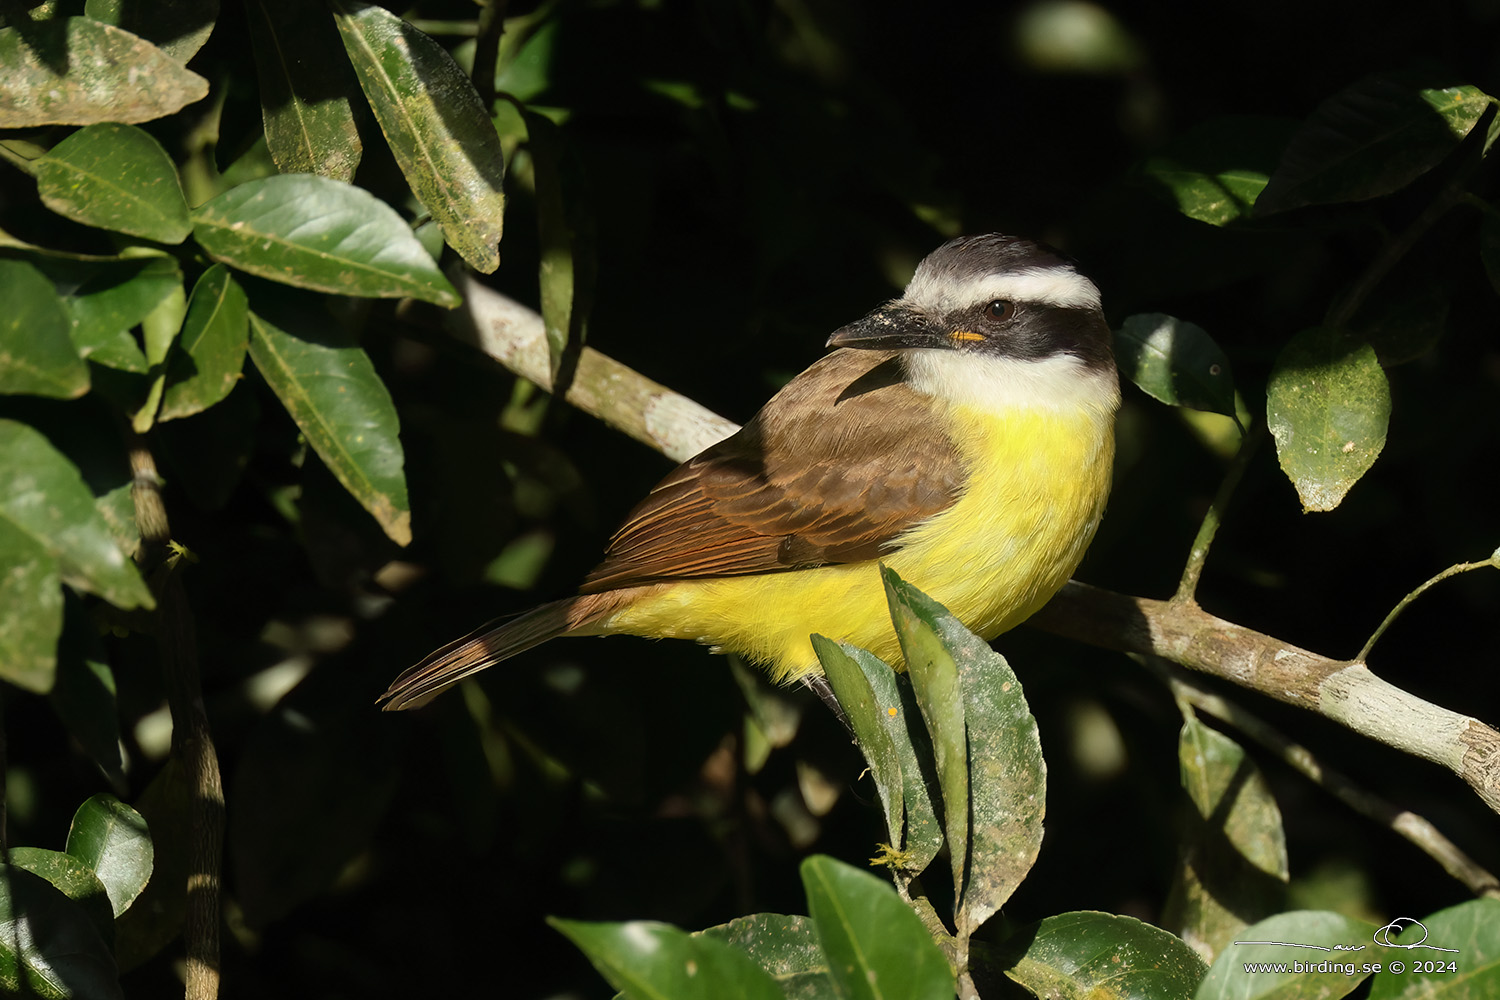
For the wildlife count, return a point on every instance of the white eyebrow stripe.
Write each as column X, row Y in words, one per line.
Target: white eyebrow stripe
column 1054, row 286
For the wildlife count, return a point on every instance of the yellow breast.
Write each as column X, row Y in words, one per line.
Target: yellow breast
column 1038, row 480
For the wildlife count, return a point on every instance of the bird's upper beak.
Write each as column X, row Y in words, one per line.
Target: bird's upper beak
column 894, row 326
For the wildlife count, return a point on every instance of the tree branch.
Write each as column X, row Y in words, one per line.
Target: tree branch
column 1179, row 631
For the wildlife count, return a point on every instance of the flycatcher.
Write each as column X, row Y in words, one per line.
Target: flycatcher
column 962, row 434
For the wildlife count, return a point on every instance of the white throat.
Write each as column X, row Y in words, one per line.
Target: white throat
column 1060, row 383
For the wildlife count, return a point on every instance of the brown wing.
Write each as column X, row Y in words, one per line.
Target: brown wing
column 858, row 458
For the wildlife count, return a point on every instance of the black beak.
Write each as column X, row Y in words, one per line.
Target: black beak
column 893, row 326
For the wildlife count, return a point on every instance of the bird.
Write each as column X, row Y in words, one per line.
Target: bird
column 961, row 434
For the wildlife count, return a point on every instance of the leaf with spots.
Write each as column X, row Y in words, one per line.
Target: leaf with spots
column 327, row 383
column 648, row 959
column 1328, row 405
column 1088, row 954
column 322, row 234
column 115, row 177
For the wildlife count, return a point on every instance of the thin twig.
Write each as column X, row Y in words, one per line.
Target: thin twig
column 1198, row 555
column 1492, row 561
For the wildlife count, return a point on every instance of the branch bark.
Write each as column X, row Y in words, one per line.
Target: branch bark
column 1177, row 630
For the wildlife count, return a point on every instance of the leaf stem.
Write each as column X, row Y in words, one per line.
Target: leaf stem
column 1493, row 560
column 1187, row 587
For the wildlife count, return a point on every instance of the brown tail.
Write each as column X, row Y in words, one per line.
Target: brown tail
column 489, row 644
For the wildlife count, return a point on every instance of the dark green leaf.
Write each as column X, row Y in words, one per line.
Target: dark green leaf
column 1216, row 171
column 868, row 718
column 437, row 128
column 304, row 94
column 115, row 177
column 652, row 961
column 1371, row 139
column 935, row 681
column 110, row 299
column 76, row 71
column 51, row 504
column 1099, row 954
column 1007, row 776
column 31, row 608
column 1234, row 860
column 786, row 947
column 48, row 945
column 1471, row 929
column 1274, row 941
column 211, row 354
column 36, row 356
column 1402, row 320
column 317, row 233
column 327, row 384
column 876, row 947
column 156, row 918
column 179, row 27
column 74, row 879
column 112, row 839
column 84, row 695
column 1175, row 362
column 565, row 274
column 1328, row 405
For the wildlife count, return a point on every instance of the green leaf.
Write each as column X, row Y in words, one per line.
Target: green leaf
column 872, row 721
column 1175, row 362
column 76, row 71
column 785, row 947
column 43, row 496
column 179, row 27
column 110, row 299
column 1234, row 862
column 84, row 695
column 1305, row 936
column 328, row 385
column 1088, row 954
column 1006, row 772
column 74, row 879
column 1471, row 929
column 48, row 945
column 1371, row 139
column 1215, row 172
column 439, row 132
column 1328, row 405
column 646, row 959
column 115, row 177
column 317, row 233
column 156, row 918
column 565, row 271
column 211, row 350
column 935, row 681
column 112, row 839
column 876, row 946
column 31, row 610
column 304, row 95
column 36, row 356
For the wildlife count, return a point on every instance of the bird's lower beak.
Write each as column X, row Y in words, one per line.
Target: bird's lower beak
column 891, row 327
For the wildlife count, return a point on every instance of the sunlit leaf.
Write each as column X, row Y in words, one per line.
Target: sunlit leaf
column 865, row 714
column 327, row 384
column 48, row 945
column 1371, row 139
column 304, row 94
column 647, row 959
column 112, row 839
column 1323, row 942
column 785, row 947
column 211, row 349
column 1175, row 362
column 31, row 608
column 1216, row 171
column 178, row 27
column 876, row 946
column 312, row 232
column 438, row 130
column 115, row 177
column 74, row 879
column 77, row 71
column 112, row 298
column 37, row 357
column 43, row 496
column 1328, row 405
column 1469, row 971
column 1101, row 955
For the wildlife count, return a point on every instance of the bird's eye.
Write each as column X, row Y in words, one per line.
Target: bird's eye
column 1000, row 309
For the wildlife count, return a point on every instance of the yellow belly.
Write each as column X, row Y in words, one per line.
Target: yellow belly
column 1037, row 487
